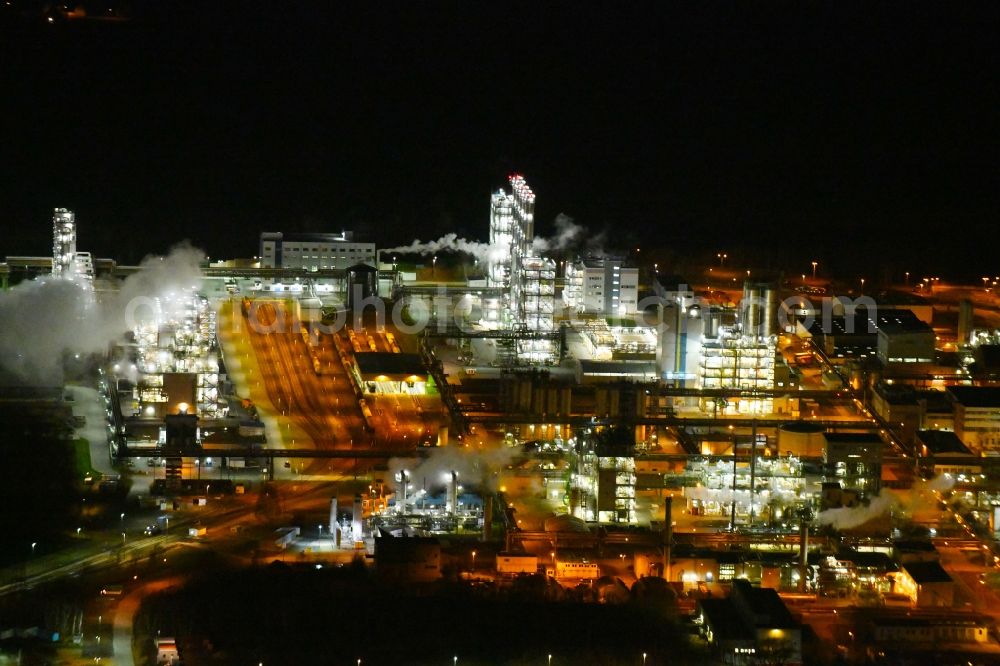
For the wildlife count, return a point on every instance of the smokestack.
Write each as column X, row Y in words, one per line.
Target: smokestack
column 356, row 519
column 966, row 314
column 488, row 518
column 333, row 516
column 454, row 492
column 403, row 478
column 668, row 534
column 803, row 554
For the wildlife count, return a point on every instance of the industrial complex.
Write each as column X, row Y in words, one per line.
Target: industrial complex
column 769, row 450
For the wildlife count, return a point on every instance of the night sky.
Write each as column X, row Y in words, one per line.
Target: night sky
column 818, row 130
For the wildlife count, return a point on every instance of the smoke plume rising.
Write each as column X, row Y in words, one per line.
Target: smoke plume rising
column 568, row 234
column 941, row 483
column 452, row 243
column 46, row 318
column 845, row 518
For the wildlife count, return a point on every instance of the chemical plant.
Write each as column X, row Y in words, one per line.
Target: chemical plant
column 606, row 418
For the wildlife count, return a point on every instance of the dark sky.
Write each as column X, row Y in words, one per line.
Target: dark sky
column 820, row 128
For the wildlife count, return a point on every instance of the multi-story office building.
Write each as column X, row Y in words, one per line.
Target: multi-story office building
column 601, row 285
column 314, row 252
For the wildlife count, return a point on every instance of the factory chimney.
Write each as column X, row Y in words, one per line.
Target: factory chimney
column 333, row 515
column 403, row 478
column 803, row 551
column 488, row 518
column 667, row 534
column 356, row 519
column 453, row 490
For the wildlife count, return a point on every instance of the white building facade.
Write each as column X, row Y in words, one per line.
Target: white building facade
column 314, row 252
column 601, row 285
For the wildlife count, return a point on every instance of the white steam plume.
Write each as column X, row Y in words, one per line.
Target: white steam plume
column 43, row 319
column 568, row 233
column 941, row 483
column 451, row 242
column 845, row 518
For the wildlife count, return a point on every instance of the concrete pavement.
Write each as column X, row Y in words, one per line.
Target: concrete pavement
column 88, row 403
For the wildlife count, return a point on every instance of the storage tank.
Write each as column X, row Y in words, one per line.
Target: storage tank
column 758, row 308
column 801, row 438
column 711, row 317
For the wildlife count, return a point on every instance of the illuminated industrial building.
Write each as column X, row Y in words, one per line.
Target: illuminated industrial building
column 421, row 507
column 67, row 262
column 527, row 280
column 177, row 360
column 742, row 356
column 498, row 271
column 314, row 252
column 389, row 373
column 601, row 285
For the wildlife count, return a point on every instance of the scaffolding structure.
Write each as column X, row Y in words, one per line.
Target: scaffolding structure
column 536, row 302
column 180, row 339
column 63, row 243
column 603, row 489
column 526, row 280
column 67, row 262
column 742, row 356
column 499, row 268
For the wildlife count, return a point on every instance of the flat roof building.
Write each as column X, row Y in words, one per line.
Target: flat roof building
column 314, row 251
column 903, row 337
column 751, row 626
column 601, row 285
column 977, row 416
column 388, row 372
column 926, row 584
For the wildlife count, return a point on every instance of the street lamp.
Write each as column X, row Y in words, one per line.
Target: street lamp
column 862, row 284
column 473, row 560
column 814, row 265
column 643, row 659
